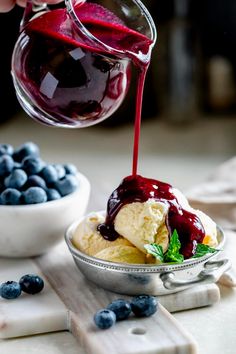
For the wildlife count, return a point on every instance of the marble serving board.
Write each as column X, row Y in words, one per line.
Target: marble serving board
column 69, row 301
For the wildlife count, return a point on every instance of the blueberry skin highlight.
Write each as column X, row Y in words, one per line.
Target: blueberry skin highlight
column 6, row 149
column 11, row 196
column 6, row 165
column 70, row 169
column 35, row 181
column 144, row 305
column 49, row 174
column 52, row 194
column 104, row 318
column 10, row 290
column 67, row 185
column 32, row 165
column 27, row 149
column 16, row 179
column 31, row 284
column 121, row 308
column 34, row 195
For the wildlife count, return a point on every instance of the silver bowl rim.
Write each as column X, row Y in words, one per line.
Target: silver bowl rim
column 136, row 268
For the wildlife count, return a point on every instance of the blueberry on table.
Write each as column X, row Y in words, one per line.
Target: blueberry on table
column 6, row 149
column 70, row 169
column 16, row 179
column 49, row 174
column 52, row 194
column 32, row 165
column 31, row 284
column 121, row 308
column 6, row 165
column 34, row 195
column 26, row 149
column 104, row 318
column 144, row 305
column 10, row 290
column 67, row 185
column 11, row 196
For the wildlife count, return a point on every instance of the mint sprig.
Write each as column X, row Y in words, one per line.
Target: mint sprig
column 202, row 250
column 155, row 250
column 172, row 255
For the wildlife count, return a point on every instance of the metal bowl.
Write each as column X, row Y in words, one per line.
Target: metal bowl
column 134, row 279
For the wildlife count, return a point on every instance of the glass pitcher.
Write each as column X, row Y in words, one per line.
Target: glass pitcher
column 71, row 65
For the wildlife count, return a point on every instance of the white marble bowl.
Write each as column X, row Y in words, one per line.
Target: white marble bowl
column 31, row 230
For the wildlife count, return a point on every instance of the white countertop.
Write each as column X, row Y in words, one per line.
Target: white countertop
column 183, row 156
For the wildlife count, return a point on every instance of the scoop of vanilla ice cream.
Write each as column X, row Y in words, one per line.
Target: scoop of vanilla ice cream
column 140, row 222
column 122, row 254
column 88, row 239
column 209, row 225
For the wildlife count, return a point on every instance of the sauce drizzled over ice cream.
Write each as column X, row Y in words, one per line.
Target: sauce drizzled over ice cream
column 140, row 189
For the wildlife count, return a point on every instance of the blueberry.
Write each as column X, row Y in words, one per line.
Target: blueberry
column 52, row 194
column 61, row 172
column 67, row 185
column 17, row 165
column 11, row 196
column 26, row 149
column 70, row 169
column 104, row 318
column 50, row 174
column 121, row 308
column 10, row 290
column 16, row 179
column 6, row 149
column 35, row 181
column 34, row 195
column 6, row 165
column 32, row 165
column 144, row 305
column 31, row 284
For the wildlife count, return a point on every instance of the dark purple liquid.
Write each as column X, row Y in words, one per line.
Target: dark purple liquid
column 70, row 77
column 140, row 189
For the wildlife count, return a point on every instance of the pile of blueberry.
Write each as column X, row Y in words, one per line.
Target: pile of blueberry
column 140, row 306
column 29, row 283
column 26, row 179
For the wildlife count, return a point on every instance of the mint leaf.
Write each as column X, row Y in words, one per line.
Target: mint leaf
column 202, row 250
column 172, row 254
column 155, row 250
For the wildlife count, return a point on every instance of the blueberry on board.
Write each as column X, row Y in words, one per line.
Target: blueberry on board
column 11, row 196
column 35, row 181
column 67, row 185
column 10, row 290
column 144, row 305
column 104, row 318
column 70, row 169
column 16, row 179
column 34, row 195
column 121, row 308
column 6, row 149
column 31, row 284
column 27, row 149
column 52, row 194
column 6, row 165
column 49, row 174
column 32, row 165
